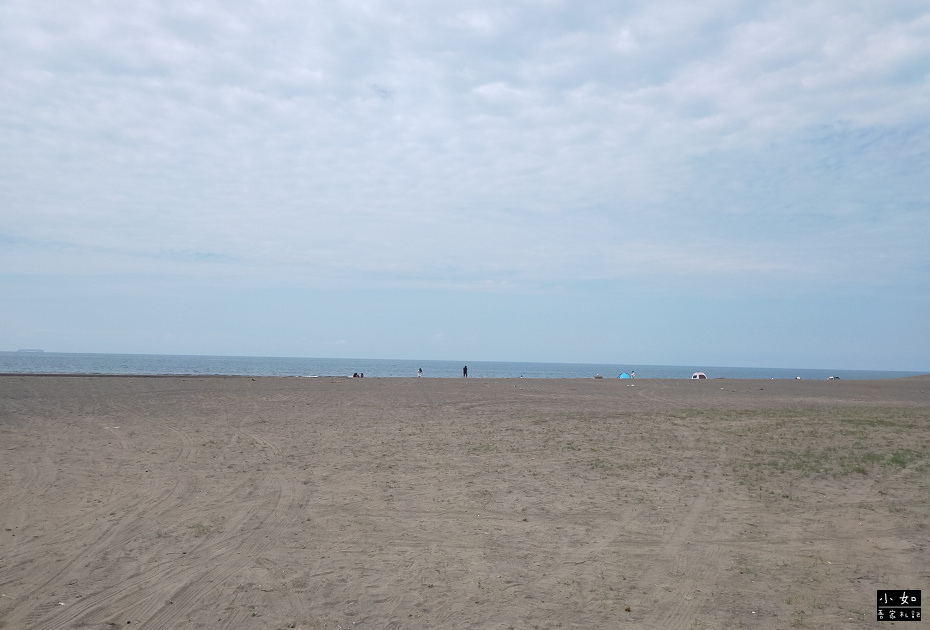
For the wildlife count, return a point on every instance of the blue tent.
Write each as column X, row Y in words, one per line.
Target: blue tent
column 624, row 375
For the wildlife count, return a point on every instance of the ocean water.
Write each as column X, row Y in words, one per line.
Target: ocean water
column 156, row 364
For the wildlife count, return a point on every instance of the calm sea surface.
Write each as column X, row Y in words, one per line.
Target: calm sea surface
column 155, row 364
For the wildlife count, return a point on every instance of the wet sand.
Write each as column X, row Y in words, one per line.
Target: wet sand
column 169, row 502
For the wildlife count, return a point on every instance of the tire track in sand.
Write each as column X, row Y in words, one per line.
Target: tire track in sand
column 25, row 479
column 110, row 539
column 231, row 554
column 169, row 590
column 162, row 595
column 694, row 560
column 189, row 450
column 237, row 557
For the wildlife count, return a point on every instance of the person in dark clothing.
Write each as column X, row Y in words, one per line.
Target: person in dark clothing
column 465, row 372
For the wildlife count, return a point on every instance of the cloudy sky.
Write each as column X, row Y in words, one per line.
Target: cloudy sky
column 710, row 182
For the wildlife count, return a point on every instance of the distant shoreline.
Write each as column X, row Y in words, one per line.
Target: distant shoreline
column 189, row 365
column 446, row 378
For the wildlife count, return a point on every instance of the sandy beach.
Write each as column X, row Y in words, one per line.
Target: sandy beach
column 273, row 503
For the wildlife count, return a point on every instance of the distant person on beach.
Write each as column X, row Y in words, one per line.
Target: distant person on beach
column 465, row 372
column 633, row 374
column 419, row 372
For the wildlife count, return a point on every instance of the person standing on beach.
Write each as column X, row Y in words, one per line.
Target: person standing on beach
column 419, row 372
column 465, row 372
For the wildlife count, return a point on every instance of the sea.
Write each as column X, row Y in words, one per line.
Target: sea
column 38, row 362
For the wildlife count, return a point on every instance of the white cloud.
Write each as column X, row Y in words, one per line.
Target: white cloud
column 546, row 141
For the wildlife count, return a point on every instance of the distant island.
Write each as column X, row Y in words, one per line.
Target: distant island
column 32, row 350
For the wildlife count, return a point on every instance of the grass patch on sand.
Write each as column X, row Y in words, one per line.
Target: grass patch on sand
column 831, row 442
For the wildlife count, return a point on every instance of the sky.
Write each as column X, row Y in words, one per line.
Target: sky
column 710, row 182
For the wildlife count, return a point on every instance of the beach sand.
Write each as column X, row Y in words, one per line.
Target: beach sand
column 267, row 503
